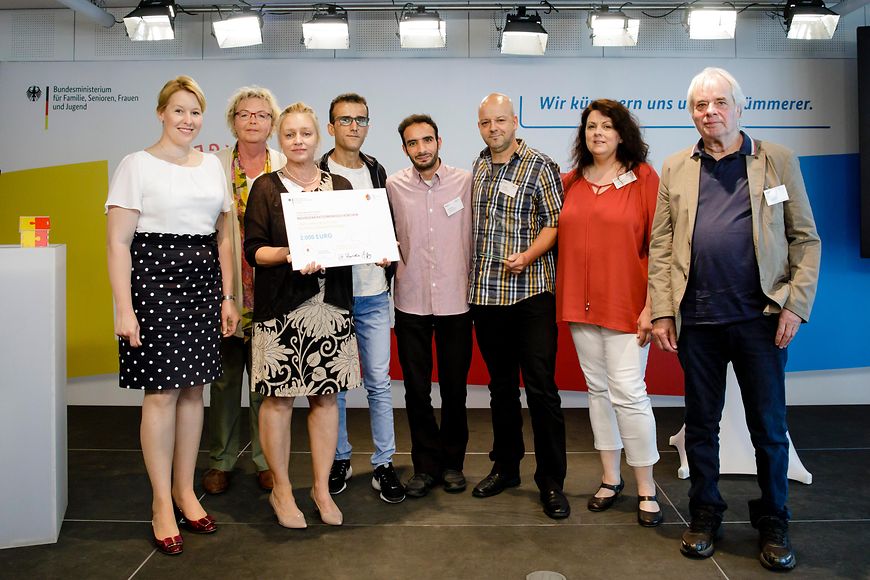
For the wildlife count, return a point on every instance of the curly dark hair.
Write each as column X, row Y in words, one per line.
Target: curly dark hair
column 413, row 120
column 631, row 152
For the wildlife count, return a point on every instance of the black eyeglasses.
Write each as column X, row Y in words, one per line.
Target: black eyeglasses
column 347, row 121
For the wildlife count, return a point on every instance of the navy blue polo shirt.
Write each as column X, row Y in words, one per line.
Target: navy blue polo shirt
column 724, row 284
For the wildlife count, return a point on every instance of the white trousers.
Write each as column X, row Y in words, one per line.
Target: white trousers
column 619, row 408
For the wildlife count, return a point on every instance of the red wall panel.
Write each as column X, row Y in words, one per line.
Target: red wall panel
column 663, row 373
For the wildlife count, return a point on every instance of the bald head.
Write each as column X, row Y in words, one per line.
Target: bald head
column 498, row 99
column 498, row 124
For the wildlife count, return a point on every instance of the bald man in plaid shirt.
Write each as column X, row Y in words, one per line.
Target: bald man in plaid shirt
column 517, row 197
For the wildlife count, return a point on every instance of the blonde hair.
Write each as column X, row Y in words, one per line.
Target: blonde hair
column 252, row 92
column 180, row 83
column 300, row 107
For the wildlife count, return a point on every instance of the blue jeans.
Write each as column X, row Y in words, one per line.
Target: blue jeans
column 371, row 315
column 704, row 352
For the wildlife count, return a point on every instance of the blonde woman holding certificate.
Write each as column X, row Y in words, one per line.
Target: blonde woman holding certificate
column 304, row 342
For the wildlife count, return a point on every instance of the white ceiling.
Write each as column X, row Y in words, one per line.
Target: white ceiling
column 840, row 6
column 21, row 4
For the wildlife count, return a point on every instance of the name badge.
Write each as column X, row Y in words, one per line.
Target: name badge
column 624, row 179
column 776, row 195
column 453, row 206
column 508, row 188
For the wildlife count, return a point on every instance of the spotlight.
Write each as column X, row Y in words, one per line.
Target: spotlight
column 327, row 29
column 422, row 29
column 243, row 29
column 612, row 28
column 711, row 23
column 152, row 20
column 523, row 34
column 810, row 20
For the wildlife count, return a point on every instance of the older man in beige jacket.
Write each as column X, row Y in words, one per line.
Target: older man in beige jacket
column 733, row 267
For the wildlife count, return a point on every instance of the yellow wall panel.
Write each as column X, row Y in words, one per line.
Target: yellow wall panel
column 73, row 196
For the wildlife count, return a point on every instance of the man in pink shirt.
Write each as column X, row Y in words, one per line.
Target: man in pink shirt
column 432, row 208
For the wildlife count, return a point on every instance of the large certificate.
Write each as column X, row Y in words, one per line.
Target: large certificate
column 339, row 228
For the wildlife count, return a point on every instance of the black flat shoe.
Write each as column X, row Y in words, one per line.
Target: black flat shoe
column 494, row 484
column 556, row 505
column 453, row 480
column 645, row 518
column 599, row 504
column 419, row 485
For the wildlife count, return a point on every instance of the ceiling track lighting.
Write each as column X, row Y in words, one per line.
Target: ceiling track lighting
column 612, row 28
column 421, row 28
column 809, row 20
column 152, row 20
column 327, row 29
column 523, row 34
column 710, row 23
column 244, row 28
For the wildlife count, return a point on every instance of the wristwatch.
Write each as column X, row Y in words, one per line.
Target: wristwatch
column 228, row 297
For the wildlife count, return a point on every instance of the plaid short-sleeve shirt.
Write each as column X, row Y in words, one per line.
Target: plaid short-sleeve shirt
column 511, row 207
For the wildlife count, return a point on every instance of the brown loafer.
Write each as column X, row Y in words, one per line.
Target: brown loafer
column 215, row 481
column 265, row 479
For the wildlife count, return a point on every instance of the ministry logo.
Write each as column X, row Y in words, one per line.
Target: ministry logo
column 34, row 93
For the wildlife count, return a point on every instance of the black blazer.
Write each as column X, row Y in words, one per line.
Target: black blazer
column 279, row 290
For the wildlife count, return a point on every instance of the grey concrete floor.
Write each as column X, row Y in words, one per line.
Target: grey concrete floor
column 106, row 530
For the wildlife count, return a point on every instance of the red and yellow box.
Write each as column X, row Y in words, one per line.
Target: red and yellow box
column 34, row 230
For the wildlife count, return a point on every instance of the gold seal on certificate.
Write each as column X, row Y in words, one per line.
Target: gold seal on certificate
column 339, row 228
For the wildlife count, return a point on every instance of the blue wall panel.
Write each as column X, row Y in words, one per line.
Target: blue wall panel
column 838, row 334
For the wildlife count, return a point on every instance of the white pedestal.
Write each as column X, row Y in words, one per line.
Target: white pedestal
column 33, row 445
column 736, row 454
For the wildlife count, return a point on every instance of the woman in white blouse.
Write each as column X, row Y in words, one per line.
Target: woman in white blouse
column 170, row 268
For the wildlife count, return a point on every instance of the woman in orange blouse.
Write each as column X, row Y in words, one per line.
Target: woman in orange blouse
column 601, row 291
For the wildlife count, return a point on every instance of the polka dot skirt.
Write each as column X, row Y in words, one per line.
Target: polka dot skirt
column 176, row 288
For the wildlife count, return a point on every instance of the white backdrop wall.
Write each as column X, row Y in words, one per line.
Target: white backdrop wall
column 103, row 110
column 101, row 91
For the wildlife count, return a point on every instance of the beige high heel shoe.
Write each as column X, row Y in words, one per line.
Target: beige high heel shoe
column 293, row 521
column 332, row 518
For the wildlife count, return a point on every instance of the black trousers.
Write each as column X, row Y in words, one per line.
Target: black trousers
column 434, row 448
column 521, row 338
column 704, row 353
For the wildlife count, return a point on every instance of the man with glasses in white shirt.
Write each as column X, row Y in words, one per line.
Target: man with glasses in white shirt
column 349, row 125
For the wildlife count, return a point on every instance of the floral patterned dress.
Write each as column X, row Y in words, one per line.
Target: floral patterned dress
column 312, row 350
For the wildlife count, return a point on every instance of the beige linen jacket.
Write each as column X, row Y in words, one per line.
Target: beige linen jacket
column 277, row 161
column 787, row 246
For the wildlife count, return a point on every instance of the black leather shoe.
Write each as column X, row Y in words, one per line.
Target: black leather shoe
column 454, row 481
column 419, row 485
column 699, row 540
column 776, row 552
column 645, row 518
column 556, row 505
column 494, row 484
column 599, row 504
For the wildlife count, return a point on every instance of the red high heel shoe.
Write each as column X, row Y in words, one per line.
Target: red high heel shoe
column 206, row 525
column 171, row 546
